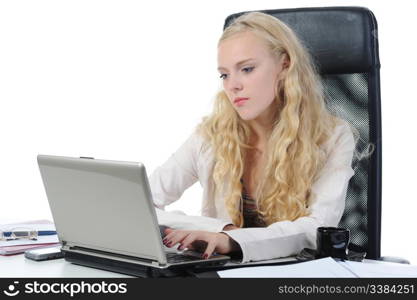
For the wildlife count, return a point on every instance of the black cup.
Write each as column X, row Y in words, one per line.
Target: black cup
column 332, row 241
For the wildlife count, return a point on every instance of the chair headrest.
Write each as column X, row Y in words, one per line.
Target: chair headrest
column 340, row 39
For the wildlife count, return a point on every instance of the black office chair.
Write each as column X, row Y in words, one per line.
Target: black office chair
column 344, row 44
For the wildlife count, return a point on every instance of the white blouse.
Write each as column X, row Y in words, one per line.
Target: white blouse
column 284, row 238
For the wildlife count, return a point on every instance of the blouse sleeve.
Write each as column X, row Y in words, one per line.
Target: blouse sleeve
column 169, row 181
column 286, row 238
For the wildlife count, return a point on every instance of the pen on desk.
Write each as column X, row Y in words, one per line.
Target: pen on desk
column 46, row 232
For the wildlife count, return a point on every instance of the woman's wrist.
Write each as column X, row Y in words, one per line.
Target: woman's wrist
column 229, row 227
column 233, row 245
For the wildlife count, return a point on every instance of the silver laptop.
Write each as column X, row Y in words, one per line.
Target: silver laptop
column 104, row 215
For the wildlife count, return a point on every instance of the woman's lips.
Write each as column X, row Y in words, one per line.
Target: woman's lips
column 240, row 101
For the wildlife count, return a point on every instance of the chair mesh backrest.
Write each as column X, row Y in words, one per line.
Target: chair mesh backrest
column 343, row 43
column 347, row 97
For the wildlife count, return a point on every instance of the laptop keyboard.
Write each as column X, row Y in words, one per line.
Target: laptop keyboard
column 178, row 258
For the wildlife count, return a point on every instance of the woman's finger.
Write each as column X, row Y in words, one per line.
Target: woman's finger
column 173, row 234
column 210, row 248
column 175, row 237
column 168, row 230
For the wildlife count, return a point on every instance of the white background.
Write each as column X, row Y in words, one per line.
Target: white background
column 129, row 80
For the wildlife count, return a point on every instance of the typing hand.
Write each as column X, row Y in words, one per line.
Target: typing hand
column 203, row 241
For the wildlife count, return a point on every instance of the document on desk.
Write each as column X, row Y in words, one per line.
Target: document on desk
column 378, row 269
column 324, row 268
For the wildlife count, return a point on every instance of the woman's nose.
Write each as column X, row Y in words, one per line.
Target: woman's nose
column 234, row 84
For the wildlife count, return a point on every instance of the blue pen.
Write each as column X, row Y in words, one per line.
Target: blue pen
column 46, row 232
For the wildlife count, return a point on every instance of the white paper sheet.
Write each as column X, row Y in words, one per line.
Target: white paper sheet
column 36, row 226
column 378, row 269
column 324, row 268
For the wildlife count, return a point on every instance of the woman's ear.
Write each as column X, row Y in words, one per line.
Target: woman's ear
column 284, row 64
column 285, row 61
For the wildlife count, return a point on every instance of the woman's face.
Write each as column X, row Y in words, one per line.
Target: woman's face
column 249, row 70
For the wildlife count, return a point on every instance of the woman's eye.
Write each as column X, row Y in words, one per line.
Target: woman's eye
column 248, row 69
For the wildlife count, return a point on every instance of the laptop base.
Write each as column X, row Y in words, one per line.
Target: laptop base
column 129, row 268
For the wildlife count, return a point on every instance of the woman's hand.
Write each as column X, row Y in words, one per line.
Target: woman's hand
column 203, row 241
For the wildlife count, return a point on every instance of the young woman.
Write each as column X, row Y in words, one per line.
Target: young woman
column 274, row 164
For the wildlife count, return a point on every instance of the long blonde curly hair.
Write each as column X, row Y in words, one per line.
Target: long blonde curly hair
column 293, row 152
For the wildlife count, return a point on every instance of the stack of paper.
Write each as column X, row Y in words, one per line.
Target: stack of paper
column 21, row 245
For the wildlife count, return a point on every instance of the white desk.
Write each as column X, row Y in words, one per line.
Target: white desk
column 19, row 266
column 16, row 266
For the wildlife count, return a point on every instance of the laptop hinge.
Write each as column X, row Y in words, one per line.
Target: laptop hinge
column 65, row 245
